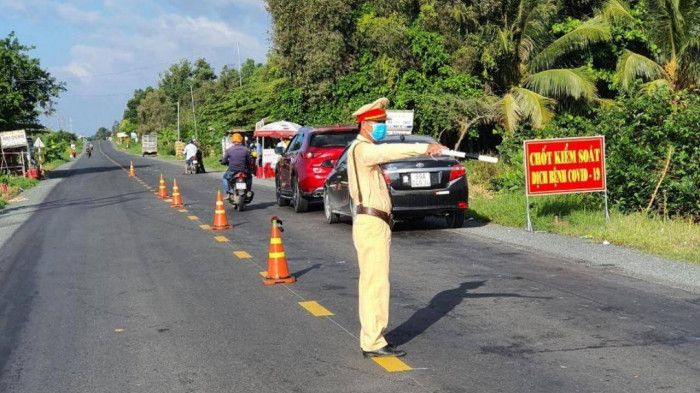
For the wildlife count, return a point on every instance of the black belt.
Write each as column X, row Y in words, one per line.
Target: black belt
column 382, row 215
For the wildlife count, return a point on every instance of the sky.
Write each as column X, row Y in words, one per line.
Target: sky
column 104, row 50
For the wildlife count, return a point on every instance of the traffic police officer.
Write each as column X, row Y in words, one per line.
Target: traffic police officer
column 371, row 231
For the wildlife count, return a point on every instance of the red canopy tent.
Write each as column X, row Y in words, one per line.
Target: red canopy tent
column 278, row 129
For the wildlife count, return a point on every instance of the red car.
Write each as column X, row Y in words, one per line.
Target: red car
column 306, row 162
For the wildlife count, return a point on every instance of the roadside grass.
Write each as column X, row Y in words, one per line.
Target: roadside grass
column 582, row 215
column 11, row 186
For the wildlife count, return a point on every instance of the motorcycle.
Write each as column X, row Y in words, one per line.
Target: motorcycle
column 192, row 166
column 239, row 195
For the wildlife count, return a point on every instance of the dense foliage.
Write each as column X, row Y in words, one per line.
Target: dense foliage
column 476, row 73
column 57, row 144
column 25, row 87
column 641, row 132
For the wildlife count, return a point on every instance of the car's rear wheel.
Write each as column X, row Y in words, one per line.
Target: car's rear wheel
column 331, row 218
column 455, row 219
column 300, row 203
column 281, row 201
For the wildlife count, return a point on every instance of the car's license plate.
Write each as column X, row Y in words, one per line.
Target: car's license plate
column 421, row 179
column 240, row 186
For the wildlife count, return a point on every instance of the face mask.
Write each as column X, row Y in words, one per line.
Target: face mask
column 378, row 131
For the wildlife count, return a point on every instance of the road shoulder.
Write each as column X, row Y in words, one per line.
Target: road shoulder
column 14, row 214
column 622, row 260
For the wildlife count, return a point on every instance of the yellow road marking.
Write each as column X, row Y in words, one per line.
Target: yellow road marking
column 392, row 364
column 193, row 218
column 316, row 309
column 183, row 210
column 276, row 254
column 221, row 239
column 119, row 330
column 264, row 274
column 242, row 254
column 206, row 227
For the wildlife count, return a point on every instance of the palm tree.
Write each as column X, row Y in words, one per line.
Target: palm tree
column 532, row 77
column 673, row 27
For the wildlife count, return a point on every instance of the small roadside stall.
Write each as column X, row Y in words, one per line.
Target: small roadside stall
column 14, row 152
column 280, row 130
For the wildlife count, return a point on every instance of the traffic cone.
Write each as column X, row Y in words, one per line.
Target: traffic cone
column 162, row 190
column 277, row 271
column 131, row 170
column 220, row 220
column 177, row 199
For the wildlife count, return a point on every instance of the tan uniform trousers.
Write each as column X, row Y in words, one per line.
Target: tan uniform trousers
column 372, row 238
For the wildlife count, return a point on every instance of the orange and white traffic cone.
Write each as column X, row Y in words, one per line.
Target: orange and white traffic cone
column 277, row 271
column 162, row 190
column 177, row 199
column 131, row 170
column 220, row 220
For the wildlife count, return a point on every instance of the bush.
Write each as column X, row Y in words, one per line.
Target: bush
column 639, row 132
column 57, row 144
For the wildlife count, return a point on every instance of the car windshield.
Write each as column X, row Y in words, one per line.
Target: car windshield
column 332, row 139
column 408, row 139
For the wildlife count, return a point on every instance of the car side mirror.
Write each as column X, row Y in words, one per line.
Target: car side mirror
column 327, row 164
column 279, row 150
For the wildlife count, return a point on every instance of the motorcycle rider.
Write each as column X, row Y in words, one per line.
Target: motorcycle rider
column 190, row 152
column 238, row 159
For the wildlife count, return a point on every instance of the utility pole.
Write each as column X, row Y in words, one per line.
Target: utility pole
column 178, row 121
column 194, row 117
column 240, row 66
column 70, row 121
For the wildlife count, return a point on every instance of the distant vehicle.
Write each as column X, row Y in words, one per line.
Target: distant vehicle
column 306, row 162
column 419, row 187
column 149, row 144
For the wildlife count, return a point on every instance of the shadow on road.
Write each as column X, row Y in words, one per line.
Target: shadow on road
column 260, row 206
column 304, row 271
column 440, row 305
column 85, row 202
column 63, row 173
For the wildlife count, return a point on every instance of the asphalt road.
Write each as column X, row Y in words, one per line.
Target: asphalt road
column 105, row 288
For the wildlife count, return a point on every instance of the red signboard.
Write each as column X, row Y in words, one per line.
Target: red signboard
column 564, row 165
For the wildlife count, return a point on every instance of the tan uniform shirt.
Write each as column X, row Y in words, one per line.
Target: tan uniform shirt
column 375, row 193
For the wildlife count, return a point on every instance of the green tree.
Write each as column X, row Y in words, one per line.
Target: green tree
column 26, row 89
column 102, row 133
column 529, row 68
column 176, row 81
column 674, row 36
column 313, row 40
column 131, row 111
column 203, row 72
column 155, row 112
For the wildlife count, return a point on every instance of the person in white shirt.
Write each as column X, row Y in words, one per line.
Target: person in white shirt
column 190, row 153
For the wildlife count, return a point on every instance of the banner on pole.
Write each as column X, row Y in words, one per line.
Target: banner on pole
column 564, row 165
column 9, row 139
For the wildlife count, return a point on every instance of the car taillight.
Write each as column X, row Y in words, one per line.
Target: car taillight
column 463, row 205
column 457, row 171
column 387, row 178
column 309, row 155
